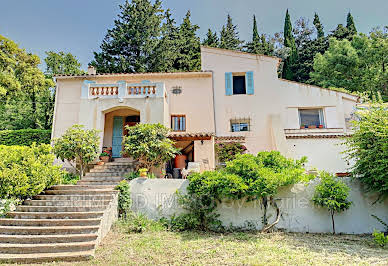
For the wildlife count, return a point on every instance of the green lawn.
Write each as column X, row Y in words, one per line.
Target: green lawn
column 156, row 247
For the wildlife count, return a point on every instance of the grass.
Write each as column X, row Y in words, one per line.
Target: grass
column 156, row 246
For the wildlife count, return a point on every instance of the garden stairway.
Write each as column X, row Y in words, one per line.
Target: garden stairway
column 65, row 222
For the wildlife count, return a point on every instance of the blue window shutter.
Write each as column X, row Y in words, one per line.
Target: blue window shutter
column 228, row 83
column 250, row 83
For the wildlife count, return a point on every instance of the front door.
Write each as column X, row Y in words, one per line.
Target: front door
column 117, row 139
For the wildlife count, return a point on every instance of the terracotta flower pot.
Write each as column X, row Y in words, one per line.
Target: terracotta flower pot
column 105, row 159
column 100, row 163
column 312, row 126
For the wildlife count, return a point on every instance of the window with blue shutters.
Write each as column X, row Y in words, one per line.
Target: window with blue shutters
column 239, row 83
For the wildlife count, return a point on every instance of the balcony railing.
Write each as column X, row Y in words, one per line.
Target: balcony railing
column 122, row 89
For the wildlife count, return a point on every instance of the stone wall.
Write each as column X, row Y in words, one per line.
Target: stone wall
column 156, row 198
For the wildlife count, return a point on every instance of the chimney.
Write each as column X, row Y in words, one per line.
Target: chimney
column 91, row 70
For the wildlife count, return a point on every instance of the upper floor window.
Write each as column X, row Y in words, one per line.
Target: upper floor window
column 178, row 123
column 239, row 83
column 239, row 86
column 311, row 118
column 239, row 125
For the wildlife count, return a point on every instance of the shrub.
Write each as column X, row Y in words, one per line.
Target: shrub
column 7, row 205
column 24, row 137
column 247, row 176
column 69, row 179
column 227, row 151
column 380, row 238
column 368, row 146
column 27, row 171
column 77, row 146
column 332, row 194
column 125, row 201
column 132, row 175
column 149, row 144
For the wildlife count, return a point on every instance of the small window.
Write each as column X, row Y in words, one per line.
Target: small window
column 311, row 118
column 178, row 123
column 239, row 86
column 239, row 125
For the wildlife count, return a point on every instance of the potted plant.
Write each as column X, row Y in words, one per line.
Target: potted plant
column 104, row 156
column 100, row 163
column 143, row 172
column 320, row 126
column 312, row 126
column 301, row 126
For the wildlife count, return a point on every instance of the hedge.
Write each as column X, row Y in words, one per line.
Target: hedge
column 25, row 137
column 27, row 171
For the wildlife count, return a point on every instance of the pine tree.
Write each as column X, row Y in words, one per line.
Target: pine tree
column 259, row 44
column 189, row 51
column 350, row 24
column 166, row 52
column 229, row 36
column 289, row 42
column 129, row 46
column 211, row 39
column 255, row 36
column 318, row 26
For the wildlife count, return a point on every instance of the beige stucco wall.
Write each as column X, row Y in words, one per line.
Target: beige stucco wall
column 274, row 99
column 195, row 101
column 204, row 154
column 157, row 198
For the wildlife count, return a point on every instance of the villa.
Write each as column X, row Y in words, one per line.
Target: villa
column 236, row 97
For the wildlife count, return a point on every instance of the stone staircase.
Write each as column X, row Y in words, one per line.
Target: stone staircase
column 65, row 222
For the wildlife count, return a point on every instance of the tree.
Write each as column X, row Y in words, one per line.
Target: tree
column 318, row 26
column 21, row 83
column 368, row 147
column 149, row 144
column 189, row 51
column 259, row 44
column 166, row 51
column 350, row 25
column 129, row 46
column 331, row 193
column 78, row 146
column 229, row 36
column 357, row 65
column 289, row 42
column 302, row 32
column 62, row 63
column 211, row 39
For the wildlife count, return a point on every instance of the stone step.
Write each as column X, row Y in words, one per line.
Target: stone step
column 47, row 230
column 104, row 174
column 69, row 203
column 26, row 208
column 110, row 178
column 112, row 183
column 123, row 160
column 49, row 222
column 107, row 167
column 81, row 187
column 111, row 170
column 6, row 248
column 36, row 239
column 55, row 215
column 47, row 257
column 73, row 197
column 81, row 192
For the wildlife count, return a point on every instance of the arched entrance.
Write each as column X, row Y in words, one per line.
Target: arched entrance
column 116, row 120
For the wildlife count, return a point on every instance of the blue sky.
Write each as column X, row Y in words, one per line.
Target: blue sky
column 78, row 26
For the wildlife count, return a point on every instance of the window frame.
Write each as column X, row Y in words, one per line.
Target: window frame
column 179, row 123
column 240, row 122
column 239, row 74
column 322, row 120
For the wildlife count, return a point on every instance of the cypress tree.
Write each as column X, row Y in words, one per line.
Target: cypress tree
column 350, row 24
column 211, row 39
column 129, row 45
column 229, row 36
column 289, row 42
column 189, row 51
column 318, row 26
column 255, row 36
column 259, row 44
